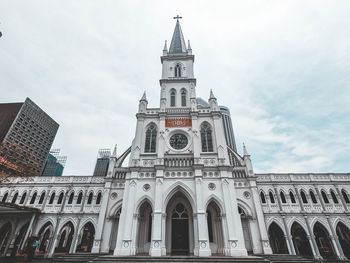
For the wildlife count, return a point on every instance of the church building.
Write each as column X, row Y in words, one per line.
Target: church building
column 184, row 191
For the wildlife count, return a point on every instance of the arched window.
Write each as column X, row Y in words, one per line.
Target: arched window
column 313, row 197
column 80, row 197
column 5, row 197
column 262, row 197
column 324, row 196
column 334, row 197
column 32, row 201
column 183, row 98
column 272, row 199
column 303, row 197
column 283, row 198
column 60, row 199
column 98, row 199
column 292, row 198
column 345, row 196
column 70, row 200
column 14, row 198
column 52, row 198
column 23, row 198
column 172, row 98
column 42, row 196
column 177, row 71
column 90, row 199
column 151, row 139
column 206, row 137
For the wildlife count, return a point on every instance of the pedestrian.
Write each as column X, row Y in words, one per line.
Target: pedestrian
column 31, row 249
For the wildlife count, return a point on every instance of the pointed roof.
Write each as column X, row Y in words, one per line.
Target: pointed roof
column 144, row 96
column 212, row 95
column 178, row 42
column 245, row 152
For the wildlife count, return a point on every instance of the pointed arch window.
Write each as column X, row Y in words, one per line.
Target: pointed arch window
column 5, row 197
column 303, row 197
column 345, row 196
column 14, row 199
column 283, row 198
column 80, row 197
column 313, row 197
column 90, row 199
column 32, row 201
column 177, row 71
column 292, row 198
column 183, row 98
column 272, row 199
column 71, row 197
column 151, row 139
column 334, row 197
column 325, row 198
column 52, row 198
column 262, row 198
column 98, row 199
column 42, row 196
column 172, row 98
column 206, row 137
column 60, row 199
column 23, row 198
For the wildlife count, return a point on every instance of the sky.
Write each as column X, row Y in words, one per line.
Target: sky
column 282, row 67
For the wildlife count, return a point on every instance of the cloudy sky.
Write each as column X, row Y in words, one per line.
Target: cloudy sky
column 282, row 67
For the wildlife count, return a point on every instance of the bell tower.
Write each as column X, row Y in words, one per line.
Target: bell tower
column 177, row 82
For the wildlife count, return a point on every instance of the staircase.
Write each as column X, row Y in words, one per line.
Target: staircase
column 77, row 257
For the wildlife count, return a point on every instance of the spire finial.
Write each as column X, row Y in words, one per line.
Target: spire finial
column 114, row 154
column 245, row 152
column 177, row 17
column 144, row 96
column 211, row 94
column 165, row 46
column 189, row 45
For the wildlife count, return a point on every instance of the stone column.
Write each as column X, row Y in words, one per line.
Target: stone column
column 288, row 237
column 157, row 242
column 236, row 246
column 127, row 218
column 320, row 198
column 317, row 254
column 55, row 237
column 297, row 193
column 265, row 244
column 96, row 248
column 335, row 241
column 30, row 227
column 203, row 237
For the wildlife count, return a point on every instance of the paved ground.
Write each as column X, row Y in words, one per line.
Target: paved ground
column 9, row 260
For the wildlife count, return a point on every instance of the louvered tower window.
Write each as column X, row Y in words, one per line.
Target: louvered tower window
column 151, row 137
column 206, row 137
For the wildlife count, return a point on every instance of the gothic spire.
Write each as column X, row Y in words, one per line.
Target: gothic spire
column 144, row 96
column 177, row 42
column 245, row 152
column 212, row 95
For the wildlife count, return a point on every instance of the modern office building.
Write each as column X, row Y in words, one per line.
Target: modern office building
column 229, row 134
column 54, row 163
column 32, row 131
column 102, row 162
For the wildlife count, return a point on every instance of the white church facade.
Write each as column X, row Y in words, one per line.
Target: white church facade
column 185, row 191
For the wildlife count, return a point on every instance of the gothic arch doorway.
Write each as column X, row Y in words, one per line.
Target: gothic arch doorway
column 277, row 240
column 179, row 226
column 114, row 233
column 215, row 233
column 246, row 229
column 65, row 238
column 45, row 235
column 323, row 241
column 5, row 232
column 144, row 228
column 87, row 235
column 19, row 239
column 343, row 234
column 300, row 241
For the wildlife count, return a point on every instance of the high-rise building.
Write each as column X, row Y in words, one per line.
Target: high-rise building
column 54, row 164
column 229, row 134
column 102, row 162
column 31, row 130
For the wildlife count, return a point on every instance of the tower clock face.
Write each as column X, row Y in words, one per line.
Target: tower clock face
column 178, row 141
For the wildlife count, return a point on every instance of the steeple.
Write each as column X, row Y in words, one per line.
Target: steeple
column 177, row 45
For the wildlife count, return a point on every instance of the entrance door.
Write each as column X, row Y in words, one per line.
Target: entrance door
column 179, row 233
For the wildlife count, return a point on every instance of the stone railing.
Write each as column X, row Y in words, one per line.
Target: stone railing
column 178, row 162
column 178, row 110
column 301, row 177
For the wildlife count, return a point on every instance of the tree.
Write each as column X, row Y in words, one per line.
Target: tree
column 15, row 162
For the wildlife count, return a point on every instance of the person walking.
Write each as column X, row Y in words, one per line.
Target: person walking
column 32, row 248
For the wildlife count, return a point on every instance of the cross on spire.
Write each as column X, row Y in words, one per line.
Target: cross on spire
column 177, row 17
